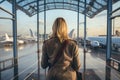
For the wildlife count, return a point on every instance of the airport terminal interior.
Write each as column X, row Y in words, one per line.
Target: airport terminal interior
column 20, row 56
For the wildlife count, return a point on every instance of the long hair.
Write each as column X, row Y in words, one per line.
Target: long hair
column 59, row 29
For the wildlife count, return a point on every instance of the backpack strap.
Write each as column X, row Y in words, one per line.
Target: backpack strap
column 60, row 52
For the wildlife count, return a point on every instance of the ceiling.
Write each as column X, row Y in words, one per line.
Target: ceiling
column 93, row 7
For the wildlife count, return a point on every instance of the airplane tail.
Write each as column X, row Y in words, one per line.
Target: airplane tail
column 6, row 36
column 72, row 34
column 31, row 34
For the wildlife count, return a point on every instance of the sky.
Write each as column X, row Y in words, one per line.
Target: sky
column 95, row 26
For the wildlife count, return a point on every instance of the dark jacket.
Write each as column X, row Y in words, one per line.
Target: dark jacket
column 67, row 65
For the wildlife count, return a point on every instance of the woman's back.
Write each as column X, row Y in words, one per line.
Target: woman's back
column 65, row 68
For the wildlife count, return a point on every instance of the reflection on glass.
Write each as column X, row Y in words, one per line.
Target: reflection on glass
column 6, row 48
column 10, row 48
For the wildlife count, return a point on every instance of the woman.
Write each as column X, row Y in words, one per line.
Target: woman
column 68, row 63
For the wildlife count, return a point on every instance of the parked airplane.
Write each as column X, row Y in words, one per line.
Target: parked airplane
column 72, row 34
column 101, row 42
column 9, row 41
column 33, row 36
column 30, row 38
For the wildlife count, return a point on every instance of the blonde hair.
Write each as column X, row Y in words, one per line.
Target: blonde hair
column 60, row 29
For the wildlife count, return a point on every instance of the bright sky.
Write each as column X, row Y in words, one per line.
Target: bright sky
column 95, row 26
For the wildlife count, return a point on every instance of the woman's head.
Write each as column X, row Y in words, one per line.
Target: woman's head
column 60, row 29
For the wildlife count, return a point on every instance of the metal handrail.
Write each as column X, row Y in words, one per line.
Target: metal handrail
column 6, row 11
column 24, row 70
column 115, row 60
column 7, row 18
column 2, row 63
column 115, row 10
column 113, row 64
column 115, row 16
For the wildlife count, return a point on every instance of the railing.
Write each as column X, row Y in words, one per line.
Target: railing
column 6, row 64
column 9, row 63
column 8, row 13
column 115, row 64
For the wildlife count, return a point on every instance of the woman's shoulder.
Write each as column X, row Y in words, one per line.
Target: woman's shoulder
column 49, row 40
column 72, row 41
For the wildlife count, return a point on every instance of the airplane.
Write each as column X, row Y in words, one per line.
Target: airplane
column 9, row 41
column 72, row 34
column 95, row 42
column 33, row 35
column 30, row 38
column 101, row 42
